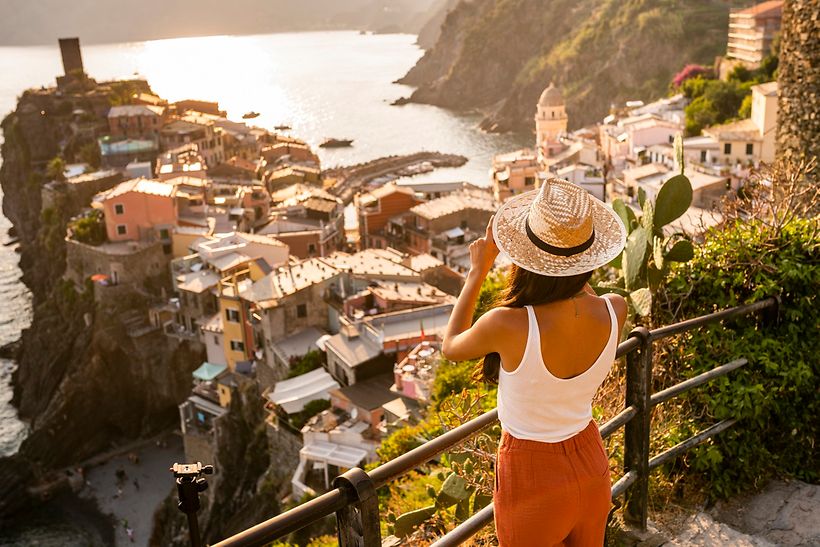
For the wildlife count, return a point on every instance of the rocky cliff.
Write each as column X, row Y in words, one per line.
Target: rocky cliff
column 250, row 478
column 83, row 383
column 498, row 55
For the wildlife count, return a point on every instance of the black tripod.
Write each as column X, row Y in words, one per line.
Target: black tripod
column 190, row 483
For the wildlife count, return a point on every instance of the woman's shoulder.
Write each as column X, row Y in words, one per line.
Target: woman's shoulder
column 619, row 305
column 505, row 317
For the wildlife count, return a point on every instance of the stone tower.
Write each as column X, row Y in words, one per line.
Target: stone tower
column 798, row 80
column 72, row 57
column 550, row 118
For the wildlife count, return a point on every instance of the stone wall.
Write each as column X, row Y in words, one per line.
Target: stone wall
column 799, row 80
column 124, row 263
column 71, row 197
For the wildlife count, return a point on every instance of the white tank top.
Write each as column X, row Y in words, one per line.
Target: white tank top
column 537, row 406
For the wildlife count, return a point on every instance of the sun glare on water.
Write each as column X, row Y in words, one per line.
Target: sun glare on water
column 240, row 71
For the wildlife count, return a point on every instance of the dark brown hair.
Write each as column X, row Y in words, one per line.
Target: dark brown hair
column 528, row 288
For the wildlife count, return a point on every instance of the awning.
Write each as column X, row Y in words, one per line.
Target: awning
column 209, row 371
column 292, row 395
column 334, row 454
column 453, row 233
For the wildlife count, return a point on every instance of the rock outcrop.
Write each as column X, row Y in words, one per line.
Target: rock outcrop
column 248, row 483
column 84, row 382
column 497, row 57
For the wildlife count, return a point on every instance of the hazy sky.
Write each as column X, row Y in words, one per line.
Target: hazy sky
column 31, row 22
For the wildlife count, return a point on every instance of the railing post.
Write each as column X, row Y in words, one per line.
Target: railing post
column 358, row 523
column 636, row 433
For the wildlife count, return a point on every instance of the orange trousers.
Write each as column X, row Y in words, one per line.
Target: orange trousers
column 552, row 493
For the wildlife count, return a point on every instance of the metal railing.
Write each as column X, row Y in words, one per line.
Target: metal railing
column 355, row 503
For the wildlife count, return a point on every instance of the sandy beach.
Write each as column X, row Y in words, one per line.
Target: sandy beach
column 130, row 486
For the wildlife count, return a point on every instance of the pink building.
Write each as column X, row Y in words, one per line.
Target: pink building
column 139, row 209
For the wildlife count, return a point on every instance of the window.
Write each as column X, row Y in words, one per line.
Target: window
column 233, row 315
column 216, row 340
column 301, row 310
column 311, row 249
column 671, row 139
column 122, row 229
column 119, row 209
column 237, row 345
column 529, row 181
column 750, row 148
column 703, row 156
column 727, row 148
column 164, row 234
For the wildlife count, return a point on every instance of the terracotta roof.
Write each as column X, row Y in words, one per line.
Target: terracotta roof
column 387, row 189
column 648, row 170
column 453, row 203
column 763, row 9
column 369, row 262
column 135, row 110
column 289, row 280
column 142, row 186
column 741, row 130
column 257, row 238
column 321, row 205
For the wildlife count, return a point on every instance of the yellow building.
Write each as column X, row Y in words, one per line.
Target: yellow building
column 752, row 139
column 550, row 118
column 238, row 335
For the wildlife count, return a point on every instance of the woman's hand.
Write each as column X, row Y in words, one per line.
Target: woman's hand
column 483, row 251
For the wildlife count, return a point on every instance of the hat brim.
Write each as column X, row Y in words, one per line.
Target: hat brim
column 509, row 233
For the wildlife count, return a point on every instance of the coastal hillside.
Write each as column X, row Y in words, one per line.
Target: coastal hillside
column 33, row 23
column 599, row 52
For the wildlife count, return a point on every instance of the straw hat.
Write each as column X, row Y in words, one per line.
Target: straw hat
column 558, row 230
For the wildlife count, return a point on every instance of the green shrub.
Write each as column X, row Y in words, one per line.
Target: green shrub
column 774, row 396
column 308, row 362
column 89, row 229
column 713, row 102
column 312, row 408
column 407, row 438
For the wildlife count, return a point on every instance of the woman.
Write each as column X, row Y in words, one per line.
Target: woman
column 549, row 345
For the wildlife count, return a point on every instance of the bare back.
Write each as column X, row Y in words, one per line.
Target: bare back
column 570, row 344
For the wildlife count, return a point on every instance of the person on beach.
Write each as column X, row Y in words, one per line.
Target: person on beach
column 549, row 344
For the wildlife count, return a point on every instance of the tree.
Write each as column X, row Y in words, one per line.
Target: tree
column 90, row 154
column 713, row 102
column 56, row 169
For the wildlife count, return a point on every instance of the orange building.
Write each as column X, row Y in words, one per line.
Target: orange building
column 377, row 207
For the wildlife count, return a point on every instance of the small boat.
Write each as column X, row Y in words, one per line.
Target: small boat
column 250, row 115
column 282, row 127
column 336, row 143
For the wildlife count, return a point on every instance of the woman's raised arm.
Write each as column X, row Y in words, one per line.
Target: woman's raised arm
column 462, row 339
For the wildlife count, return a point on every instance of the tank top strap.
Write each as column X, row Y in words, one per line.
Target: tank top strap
column 532, row 350
column 613, row 320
